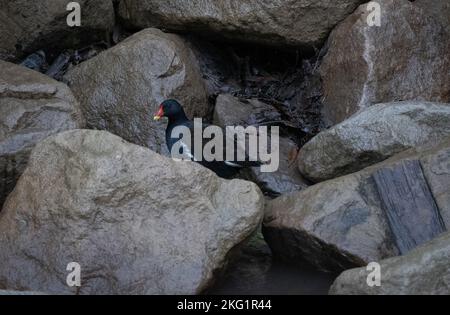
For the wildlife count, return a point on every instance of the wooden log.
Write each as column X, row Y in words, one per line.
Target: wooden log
column 411, row 210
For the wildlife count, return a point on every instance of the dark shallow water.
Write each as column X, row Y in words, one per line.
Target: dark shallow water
column 281, row 279
column 255, row 272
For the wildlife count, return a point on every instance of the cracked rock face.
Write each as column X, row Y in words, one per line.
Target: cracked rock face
column 406, row 58
column 121, row 89
column 335, row 225
column 372, row 136
column 280, row 22
column 32, row 107
column 340, row 224
column 26, row 26
column 92, row 198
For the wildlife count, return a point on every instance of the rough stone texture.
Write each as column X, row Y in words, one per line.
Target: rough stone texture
column 339, row 224
column 231, row 111
column 247, row 270
column 371, row 136
column 26, row 26
column 404, row 59
column 424, row 271
column 436, row 168
column 437, row 9
column 409, row 205
column 121, row 89
column 136, row 222
column 32, row 107
column 287, row 178
column 335, row 225
column 280, row 22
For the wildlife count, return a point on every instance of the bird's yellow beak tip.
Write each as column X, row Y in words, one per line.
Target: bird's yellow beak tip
column 156, row 118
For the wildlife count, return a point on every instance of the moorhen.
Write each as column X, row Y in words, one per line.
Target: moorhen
column 173, row 110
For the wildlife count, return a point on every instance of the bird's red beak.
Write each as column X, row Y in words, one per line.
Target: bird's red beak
column 159, row 114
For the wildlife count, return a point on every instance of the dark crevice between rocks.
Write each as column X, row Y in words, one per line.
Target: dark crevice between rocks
column 235, row 264
column 286, row 80
column 10, row 171
column 70, row 48
column 55, row 61
column 326, row 257
column 253, row 269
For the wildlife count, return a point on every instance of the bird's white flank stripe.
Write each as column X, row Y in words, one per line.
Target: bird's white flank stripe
column 187, row 151
column 233, row 164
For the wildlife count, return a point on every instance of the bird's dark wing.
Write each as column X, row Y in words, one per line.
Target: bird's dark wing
column 189, row 150
column 239, row 146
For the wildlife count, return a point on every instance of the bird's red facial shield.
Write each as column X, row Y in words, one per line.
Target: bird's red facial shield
column 159, row 114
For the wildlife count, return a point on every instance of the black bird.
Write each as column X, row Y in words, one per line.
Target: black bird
column 177, row 117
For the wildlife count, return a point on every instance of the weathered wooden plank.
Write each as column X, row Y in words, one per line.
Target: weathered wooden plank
column 409, row 205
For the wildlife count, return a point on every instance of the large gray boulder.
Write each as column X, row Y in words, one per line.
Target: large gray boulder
column 135, row 221
column 286, row 178
column 424, row 271
column 341, row 223
column 281, row 22
column 121, row 89
column 231, row 111
column 32, row 107
column 26, row 26
column 438, row 9
column 406, row 58
column 371, row 136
